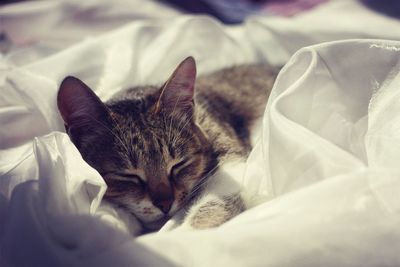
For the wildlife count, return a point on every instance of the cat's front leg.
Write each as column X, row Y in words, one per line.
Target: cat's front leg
column 220, row 201
column 212, row 211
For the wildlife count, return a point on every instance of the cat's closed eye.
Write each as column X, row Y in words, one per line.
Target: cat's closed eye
column 178, row 169
column 127, row 178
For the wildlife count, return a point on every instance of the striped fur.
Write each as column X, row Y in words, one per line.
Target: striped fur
column 156, row 147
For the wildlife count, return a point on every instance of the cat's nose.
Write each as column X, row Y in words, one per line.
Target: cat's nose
column 164, row 205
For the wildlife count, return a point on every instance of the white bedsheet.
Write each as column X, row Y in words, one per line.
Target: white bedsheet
column 325, row 173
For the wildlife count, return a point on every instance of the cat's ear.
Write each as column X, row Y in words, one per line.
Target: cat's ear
column 80, row 108
column 177, row 93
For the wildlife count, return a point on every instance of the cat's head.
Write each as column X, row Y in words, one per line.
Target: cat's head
column 149, row 149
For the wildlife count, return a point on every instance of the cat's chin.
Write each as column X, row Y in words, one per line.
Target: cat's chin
column 157, row 224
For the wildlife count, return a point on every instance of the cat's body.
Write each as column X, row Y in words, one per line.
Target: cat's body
column 160, row 150
column 227, row 104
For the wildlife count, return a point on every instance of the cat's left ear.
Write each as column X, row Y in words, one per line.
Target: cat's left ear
column 177, row 94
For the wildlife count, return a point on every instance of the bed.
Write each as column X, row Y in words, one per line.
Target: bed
column 322, row 181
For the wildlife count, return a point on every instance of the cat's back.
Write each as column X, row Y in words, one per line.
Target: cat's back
column 242, row 90
column 239, row 87
column 230, row 100
column 249, row 77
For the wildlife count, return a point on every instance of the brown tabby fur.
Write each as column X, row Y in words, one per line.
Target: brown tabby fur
column 155, row 157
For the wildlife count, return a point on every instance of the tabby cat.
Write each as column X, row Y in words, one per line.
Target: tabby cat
column 163, row 149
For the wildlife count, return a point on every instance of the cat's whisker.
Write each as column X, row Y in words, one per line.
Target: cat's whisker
column 183, row 144
column 176, row 103
column 185, row 121
column 121, row 131
column 132, row 145
column 165, row 125
column 200, row 183
column 170, row 128
column 175, row 113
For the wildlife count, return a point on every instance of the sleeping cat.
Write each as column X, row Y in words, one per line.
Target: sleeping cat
column 163, row 149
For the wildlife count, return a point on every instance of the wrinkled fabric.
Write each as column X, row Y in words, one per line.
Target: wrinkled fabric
column 321, row 183
column 322, row 164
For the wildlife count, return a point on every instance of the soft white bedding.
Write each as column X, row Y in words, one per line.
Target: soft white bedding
column 323, row 177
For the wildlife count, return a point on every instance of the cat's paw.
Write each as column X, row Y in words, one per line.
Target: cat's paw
column 213, row 212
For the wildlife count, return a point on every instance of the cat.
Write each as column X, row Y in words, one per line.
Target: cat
column 161, row 149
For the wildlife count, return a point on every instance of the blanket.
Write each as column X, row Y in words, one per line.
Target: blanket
column 321, row 183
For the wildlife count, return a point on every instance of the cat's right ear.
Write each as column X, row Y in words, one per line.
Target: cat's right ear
column 78, row 104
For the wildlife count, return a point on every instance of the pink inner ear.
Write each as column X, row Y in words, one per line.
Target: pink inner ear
column 178, row 92
column 76, row 99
